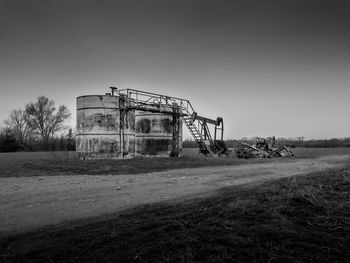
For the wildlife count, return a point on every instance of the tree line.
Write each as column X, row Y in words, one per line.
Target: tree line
column 40, row 126
column 289, row 142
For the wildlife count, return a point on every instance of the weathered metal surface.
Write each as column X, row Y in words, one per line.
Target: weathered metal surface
column 104, row 129
column 262, row 149
column 157, row 134
column 109, row 127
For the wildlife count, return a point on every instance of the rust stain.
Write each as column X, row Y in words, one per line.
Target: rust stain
column 155, row 146
column 143, row 125
column 106, row 129
column 167, row 125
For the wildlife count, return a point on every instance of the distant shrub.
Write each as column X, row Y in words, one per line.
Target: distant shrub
column 8, row 142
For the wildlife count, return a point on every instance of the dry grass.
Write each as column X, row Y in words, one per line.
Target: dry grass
column 300, row 219
column 57, row 163
column 65, row 163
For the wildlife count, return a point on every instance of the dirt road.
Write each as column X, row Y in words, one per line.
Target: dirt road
column 31, row 202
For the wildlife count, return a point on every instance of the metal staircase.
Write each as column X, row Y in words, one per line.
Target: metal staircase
column 197, row 125
column 203, row 147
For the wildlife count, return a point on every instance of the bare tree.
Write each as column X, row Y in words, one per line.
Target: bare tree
column 18, row 122
column 44, row 119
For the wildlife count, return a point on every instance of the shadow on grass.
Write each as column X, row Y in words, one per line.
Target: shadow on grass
column 301, row 219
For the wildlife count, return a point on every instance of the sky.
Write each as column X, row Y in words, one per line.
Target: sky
column 268, row 68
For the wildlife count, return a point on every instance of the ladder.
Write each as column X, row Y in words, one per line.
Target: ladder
column 203, row 147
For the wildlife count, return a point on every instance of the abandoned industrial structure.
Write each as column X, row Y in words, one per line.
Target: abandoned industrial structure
column 128, row 123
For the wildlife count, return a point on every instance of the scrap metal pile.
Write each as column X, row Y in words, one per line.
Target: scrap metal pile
column 263, row 148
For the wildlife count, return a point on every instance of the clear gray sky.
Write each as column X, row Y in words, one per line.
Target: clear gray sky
column 267, row 67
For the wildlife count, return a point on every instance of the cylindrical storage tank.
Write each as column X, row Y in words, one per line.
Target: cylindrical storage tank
column 104, row 130
column 157, row 134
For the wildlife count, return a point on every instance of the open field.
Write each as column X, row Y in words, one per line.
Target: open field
column 27, row 164
column 189, row 209
column 65, row 163
column 298, row 219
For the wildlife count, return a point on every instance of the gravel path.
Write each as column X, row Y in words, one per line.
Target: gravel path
column 28, row 203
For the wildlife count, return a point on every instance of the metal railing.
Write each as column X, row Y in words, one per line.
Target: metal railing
column 153, row 102
column 146, row 100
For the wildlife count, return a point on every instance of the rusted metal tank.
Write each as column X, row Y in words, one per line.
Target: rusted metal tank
column 104, row 128
column 157, row 134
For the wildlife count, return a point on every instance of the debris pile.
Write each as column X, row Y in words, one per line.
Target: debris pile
column 263, row 148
